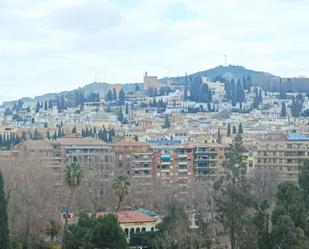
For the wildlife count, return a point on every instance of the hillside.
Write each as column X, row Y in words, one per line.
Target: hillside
column 263, row 79
column 266, row 80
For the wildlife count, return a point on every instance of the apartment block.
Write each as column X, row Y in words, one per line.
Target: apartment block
column 135, row 159
column 285, row 154
column 173, row 166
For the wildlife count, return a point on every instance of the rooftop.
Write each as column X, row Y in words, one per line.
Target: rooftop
column 130, row 217
column 297, row 137
column 81, row 141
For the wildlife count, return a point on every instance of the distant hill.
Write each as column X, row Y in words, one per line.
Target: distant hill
column 96, row 87
column 266, row 80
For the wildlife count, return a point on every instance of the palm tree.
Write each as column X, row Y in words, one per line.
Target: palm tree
column 121, row 189
column 73, row 177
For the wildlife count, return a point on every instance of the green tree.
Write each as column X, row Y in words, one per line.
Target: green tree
column 228, row 129
column 122, row 97
column 48, row 135
column 234, row 129
column 240, row 129
column 175, row 232
column 234, row 200
column 120, row 115
column 38, row 106
column 73, row 176
column 95, row 233
column 127, row 109
column 303, row 181
column 262, row 224
column 109, row 96
column 79, row 234
column 4, row 227
column 107, row 234
column 286, row 236
column 114, row 94
column 290, row 200
column 74, row 130
column 167, row 123
column 121, row 189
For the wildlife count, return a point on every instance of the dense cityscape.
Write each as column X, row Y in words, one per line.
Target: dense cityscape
column 183, row 162
column 158, row 124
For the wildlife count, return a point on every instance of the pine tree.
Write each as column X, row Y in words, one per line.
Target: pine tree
column 283, row 110
column 4, row 227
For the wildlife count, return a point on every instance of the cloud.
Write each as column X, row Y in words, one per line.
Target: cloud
column 84, row 17
column 57, row 45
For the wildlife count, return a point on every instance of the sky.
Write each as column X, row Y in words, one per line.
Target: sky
column 56, row 45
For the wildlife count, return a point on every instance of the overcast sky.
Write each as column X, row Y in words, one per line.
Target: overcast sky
column 56, row 45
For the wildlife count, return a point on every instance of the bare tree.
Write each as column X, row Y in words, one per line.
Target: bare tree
column 32, row 201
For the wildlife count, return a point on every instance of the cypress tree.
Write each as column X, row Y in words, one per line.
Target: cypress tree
column 283, row 110
column 228, row 130
column 234, row 130
column 109, row 95
column 167, row 123
column 48, row 135
column 240, row 129
column 4, row 227
column 127, row 108
column 38, row 106
column 114, row 94
column 120, row 115
column 122, row 97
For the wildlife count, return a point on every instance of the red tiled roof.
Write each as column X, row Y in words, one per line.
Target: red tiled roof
column 130, row 217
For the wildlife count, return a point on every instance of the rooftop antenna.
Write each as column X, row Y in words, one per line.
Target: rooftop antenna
column 225, row 60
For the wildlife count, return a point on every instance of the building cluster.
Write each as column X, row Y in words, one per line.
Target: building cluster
column 158, row 136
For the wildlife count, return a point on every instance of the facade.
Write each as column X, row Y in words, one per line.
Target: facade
column 134, row 222
column 173, row 167
column 208, row 159
column 151, row 82
column 41, row 152
column 285, row 154
column 134, row 159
